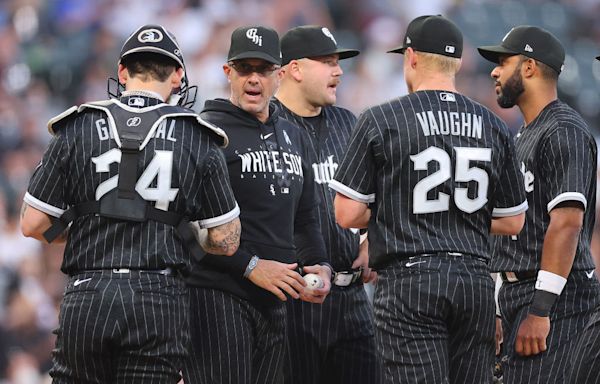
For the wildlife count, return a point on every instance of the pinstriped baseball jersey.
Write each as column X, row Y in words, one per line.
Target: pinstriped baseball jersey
column 557, row 156
column 182, row 170
column 435, row 167
column 328, row 138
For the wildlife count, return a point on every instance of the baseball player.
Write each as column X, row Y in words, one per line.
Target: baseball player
column 549, row 290
column 128, row 174
column 333, row 342
column 431, row 174
column 238, row 316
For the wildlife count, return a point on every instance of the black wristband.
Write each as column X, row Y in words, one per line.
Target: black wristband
column 542, row 303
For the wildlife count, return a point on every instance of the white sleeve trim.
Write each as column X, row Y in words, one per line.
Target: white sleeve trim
column 510, row 211
column 220, row 220
column 41, row 206
column 568, row 196
column 351, row 193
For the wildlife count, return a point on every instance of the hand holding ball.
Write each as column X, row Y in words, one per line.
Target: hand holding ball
column 313, row 281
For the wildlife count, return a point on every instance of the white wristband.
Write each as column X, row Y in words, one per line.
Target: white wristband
column 550, row 282
column 363, row 237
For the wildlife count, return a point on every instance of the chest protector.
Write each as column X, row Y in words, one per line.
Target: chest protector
column 132, row 129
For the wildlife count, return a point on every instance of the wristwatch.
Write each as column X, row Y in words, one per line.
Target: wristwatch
column 251, row 265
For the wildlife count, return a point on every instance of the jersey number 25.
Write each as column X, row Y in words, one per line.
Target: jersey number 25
column 463, row 172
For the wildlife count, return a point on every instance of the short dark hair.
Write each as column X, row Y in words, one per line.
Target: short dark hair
column 548, row 73
column 149, row 66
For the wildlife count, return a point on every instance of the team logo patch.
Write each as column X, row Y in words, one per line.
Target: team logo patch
column 287, row 138
column 150, row 36
column 134, row 121
column 252, row 35
column 528, row 48
column 450, row 49
column 444, row 96
column 136, row 102
column 408, row 40
column 327, row 33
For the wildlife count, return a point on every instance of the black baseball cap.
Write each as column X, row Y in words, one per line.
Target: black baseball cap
column 311, row 41
column 154, row 39
column 534, row 42
column 255, row 42
column 433, row 34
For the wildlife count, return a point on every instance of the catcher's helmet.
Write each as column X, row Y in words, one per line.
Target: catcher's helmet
column 156, row 39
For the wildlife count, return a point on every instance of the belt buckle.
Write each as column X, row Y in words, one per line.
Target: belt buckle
column 343, row 279
column 511, row 277
column 121, row 270
column 167, row 271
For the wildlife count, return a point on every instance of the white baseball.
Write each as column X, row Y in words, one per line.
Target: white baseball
column 313, row 281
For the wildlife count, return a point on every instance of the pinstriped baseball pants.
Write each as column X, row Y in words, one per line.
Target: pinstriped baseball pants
column 232, row 341
column 585, row 360
column 127, row 329
column 435, row 318
column 567, row 320
column 333, row 342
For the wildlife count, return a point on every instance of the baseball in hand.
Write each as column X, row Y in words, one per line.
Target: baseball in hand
column 313, row 281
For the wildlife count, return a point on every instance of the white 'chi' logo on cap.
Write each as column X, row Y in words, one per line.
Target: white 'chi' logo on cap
column 328, row 34
column 253, row 35
column 150, row 36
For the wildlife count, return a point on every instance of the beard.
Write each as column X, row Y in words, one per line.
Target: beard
column 511, row 90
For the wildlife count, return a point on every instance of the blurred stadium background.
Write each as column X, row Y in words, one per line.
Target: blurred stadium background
column 57, row 53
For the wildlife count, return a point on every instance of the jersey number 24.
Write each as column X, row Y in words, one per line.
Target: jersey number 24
column 159, row 168
column 463, row 172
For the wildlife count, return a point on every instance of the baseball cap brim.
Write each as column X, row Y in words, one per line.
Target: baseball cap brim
column 346, row 53
column 255, row 55
column 399, row 49
column 493, row 52
column 342, row 54
column 597, row 57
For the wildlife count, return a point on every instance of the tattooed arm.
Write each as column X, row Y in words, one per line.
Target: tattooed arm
column 35, row 222
column 220, row 240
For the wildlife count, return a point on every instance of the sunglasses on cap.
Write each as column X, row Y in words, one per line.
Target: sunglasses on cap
column 245, row 69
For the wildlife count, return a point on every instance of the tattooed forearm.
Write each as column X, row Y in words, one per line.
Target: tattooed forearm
column 224, row 239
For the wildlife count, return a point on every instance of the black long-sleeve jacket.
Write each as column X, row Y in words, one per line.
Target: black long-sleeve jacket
column 274, row 187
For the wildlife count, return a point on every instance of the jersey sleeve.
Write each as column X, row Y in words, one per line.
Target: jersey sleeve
column 46, row 186
column 510, row 196
column 218, row 205
column 354, row 176
column 569, row 166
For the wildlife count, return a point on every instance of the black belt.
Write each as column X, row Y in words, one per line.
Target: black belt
column 130, row 271
column 347, row 278
column 512, row 277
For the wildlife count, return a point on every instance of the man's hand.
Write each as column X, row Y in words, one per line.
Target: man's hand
column 499, row 335
column 362, row 261
column 317, row 295
column 278, row 278
column 532, row 334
